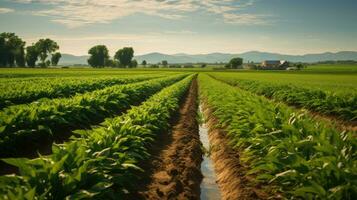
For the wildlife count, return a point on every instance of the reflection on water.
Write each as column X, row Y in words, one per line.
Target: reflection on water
column 209, row 187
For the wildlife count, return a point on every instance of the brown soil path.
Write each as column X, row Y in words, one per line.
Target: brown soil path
column 175, row 168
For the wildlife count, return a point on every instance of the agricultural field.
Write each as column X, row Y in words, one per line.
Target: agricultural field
column 282, row 148
column 138, row 134
column 72, row 72
column 329, row 94
column 335, row 68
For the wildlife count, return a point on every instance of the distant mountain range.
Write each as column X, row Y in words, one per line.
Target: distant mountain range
column 254, row 56
column 68, row 59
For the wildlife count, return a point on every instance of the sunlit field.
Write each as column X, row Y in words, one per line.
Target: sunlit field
column 178, row 99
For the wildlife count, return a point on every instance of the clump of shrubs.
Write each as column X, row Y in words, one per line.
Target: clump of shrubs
column 188, row 66
column 175, row 66
column 154, row 66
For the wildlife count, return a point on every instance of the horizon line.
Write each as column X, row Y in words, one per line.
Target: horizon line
column 229, row 53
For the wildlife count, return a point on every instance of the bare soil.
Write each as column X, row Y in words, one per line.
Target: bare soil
column 174, row 172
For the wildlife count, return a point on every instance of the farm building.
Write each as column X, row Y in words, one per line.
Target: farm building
column 274, row 64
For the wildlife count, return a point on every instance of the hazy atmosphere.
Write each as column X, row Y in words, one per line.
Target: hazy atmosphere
column 186, row 26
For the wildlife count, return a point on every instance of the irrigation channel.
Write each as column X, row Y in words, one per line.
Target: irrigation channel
column 209, row 187
column 179, row 168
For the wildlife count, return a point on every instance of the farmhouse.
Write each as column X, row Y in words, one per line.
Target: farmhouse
column 274, row 64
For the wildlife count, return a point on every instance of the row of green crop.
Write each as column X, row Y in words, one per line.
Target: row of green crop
column 91, row 73
column 298, row 156
column 27, row 91
column 29, row 124
column 102, row 162
column 72, row 72
column 343, row 106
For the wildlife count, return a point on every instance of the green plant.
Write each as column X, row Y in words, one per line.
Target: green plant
column 51, row 119
column 342, row 105
column 102, row 162
column 285, row 148
column 24, row 91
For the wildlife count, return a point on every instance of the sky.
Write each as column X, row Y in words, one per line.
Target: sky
column 186, row 26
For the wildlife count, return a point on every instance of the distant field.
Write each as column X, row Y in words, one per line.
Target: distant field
column 57, row 72
column 332, row 94
column 109, row 120
column 331, row 82
column 332, row 67
column 86, row 71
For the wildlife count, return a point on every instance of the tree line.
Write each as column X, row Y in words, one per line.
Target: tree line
column 123, row 58
column 99, row 57
column 44, row 53
column 14, row 53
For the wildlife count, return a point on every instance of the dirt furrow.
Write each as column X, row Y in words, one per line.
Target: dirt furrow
column 230, row 173
column 175, row 167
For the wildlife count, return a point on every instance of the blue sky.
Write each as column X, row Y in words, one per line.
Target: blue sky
column 186, row 26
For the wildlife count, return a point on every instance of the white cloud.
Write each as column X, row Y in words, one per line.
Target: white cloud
column 75, row 13
column 109, row 37
column 180, row 32
column 6, row 10
column 246, row 19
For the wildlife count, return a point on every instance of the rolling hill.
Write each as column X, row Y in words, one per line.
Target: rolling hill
column 68, row 59
column 254, row 56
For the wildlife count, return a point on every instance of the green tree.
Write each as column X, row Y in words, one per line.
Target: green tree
column 55, row 58
column 45, row 47
column 12, row 50
column 31, row 56
column 154, row 66
column 175, row 66
column 20, row 57
column 111, row 63
column 124, row 56
column 235, row 63
column 99, row 55
column 300, row 66
column 3, row 60
column 164, row 63
column 134, row 63
column 144, row 63
column 188, row 66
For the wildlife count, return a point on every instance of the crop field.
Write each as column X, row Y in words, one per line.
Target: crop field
column 345, row 83
column 73, row 72
column 332, row 67
column 325, row 93
column 135, row 134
